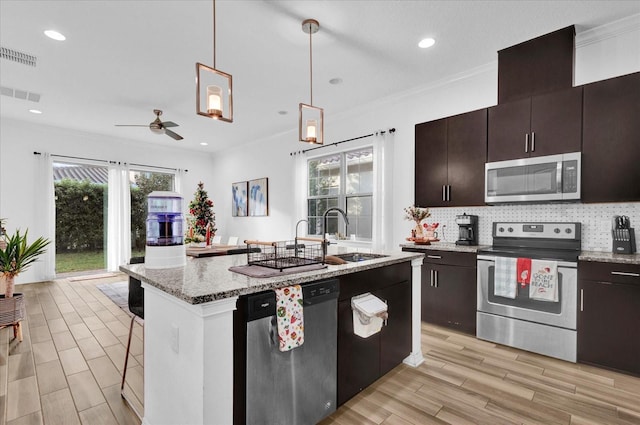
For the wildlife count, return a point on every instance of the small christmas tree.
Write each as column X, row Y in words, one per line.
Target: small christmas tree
column 202, row 215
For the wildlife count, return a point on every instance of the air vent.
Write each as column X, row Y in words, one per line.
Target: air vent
column 16, row 56
column 20, row 94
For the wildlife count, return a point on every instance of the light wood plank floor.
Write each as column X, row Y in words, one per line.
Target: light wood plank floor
column 468, row 381
column 68, row 368
column 67, row 371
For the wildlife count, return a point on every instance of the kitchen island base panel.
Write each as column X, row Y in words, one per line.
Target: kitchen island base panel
column 416, row 358
column 189, row 348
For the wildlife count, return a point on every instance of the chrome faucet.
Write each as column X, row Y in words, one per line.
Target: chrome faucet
column 299, row 221
column 325, row 242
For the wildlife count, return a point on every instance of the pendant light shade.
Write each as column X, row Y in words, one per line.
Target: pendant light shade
column 214, row 88
column 310, row 118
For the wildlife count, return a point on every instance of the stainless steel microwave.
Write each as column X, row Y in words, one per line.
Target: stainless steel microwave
column 536, row 179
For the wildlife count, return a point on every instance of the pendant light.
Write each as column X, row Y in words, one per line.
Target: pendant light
column 214, row 98
column 310, row 118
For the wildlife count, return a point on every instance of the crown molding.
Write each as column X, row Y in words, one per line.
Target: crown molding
column 610, row 30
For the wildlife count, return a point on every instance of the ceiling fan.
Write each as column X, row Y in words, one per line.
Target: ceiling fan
column 157, row 126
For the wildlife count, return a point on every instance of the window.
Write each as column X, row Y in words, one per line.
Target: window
column 343, row 180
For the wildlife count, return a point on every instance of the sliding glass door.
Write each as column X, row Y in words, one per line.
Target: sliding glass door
column 81, row 214
column 142, row 183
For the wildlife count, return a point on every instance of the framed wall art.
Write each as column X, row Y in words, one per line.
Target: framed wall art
column 259, row 197
column 239, row 199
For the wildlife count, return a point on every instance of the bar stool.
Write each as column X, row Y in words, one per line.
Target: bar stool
column 136, row 306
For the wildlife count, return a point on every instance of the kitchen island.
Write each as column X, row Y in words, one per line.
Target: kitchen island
column 188, row 335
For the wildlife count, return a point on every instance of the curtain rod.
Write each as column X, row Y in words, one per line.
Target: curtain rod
column 391, row 130
column 110, row 162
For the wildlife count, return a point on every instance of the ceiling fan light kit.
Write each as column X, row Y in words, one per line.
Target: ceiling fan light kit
column 310, row 118
column 214, row 88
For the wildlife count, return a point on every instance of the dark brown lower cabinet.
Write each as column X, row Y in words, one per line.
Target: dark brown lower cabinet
column 449, row 289
column 449, row 296
column 361, row 361
column 609, row 315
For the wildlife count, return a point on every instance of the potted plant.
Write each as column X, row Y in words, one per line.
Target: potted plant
column 15, row 257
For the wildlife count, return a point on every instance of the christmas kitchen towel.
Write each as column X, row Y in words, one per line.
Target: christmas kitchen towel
column 289, row 317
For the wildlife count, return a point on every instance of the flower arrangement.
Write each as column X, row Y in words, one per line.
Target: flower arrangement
column 194, row 238
column 416, row 214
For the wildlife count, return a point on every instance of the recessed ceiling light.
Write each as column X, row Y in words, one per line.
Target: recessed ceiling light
column 204, row 143
column 55, row 35
column 283, row 112
column 335, row 81
column 426, row 43
column 35, row 111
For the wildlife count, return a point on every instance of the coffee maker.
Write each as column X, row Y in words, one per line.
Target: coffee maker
column 467, row 229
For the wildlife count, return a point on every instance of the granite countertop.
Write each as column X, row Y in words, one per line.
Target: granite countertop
column 443, row 246
column 207, row 279
column 609, row 257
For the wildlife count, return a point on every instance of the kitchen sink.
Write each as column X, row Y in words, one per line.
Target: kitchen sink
column 354, row 257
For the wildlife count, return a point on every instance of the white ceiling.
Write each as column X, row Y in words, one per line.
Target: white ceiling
column 122, row 59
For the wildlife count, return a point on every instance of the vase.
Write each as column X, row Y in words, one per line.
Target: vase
column 418, row 230
column 9, row 285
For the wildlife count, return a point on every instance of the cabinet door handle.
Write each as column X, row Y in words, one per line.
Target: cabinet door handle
column 526, row 143
column 431, row 277
column 448, row 192
column 436, row 257
column 533, row 141
column 582, row 300
column 626, row 274
column 436, row 274
column 444, row 193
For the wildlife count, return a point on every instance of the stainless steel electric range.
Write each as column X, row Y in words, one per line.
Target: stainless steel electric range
column 516, row 318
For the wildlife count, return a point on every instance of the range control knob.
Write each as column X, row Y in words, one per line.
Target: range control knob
column 556, row 230
column 510, row 229
column 501, row 230
column 567, row 230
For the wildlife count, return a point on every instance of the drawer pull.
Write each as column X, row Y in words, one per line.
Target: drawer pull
column 437, row 257
column 626, row 274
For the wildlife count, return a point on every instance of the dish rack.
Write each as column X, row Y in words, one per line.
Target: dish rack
column 285, row 254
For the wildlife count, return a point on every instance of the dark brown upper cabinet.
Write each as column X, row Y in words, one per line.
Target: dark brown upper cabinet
column 541, row 125
column 611, row 141
column 449, row 160
column 537, row 66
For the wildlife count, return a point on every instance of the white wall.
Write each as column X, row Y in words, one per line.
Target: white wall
column 18, row 169
column 604, row 52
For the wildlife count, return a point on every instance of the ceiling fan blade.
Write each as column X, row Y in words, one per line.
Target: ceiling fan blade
column 172, row 134
column 131, row 125
column 169, row 124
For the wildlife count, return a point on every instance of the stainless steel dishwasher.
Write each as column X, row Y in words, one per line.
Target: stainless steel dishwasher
column 294, row 387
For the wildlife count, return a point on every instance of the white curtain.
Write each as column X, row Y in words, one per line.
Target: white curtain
column 382, row 238
column 45, row 194
column 118, row 217
column 179, row 181
column 300, row 192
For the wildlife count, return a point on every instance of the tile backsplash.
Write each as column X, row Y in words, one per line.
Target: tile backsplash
column 596, row 219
